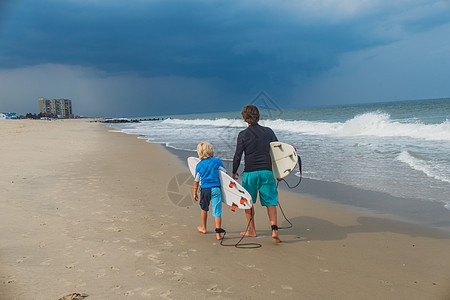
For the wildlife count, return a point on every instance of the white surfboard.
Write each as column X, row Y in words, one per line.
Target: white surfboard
column 233, row 194
column 284, row 159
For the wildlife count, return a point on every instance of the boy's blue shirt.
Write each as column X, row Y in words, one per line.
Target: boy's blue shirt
column 207, row 172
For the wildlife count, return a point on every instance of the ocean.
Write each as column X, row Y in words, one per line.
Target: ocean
column 399, row 148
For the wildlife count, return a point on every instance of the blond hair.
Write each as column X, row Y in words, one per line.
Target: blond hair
column 205, row 150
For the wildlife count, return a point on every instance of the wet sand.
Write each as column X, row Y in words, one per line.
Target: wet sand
column 106, row 214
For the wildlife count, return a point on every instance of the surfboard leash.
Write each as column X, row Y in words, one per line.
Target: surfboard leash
column 291, row 187
column 238, row 244
column 300, row 177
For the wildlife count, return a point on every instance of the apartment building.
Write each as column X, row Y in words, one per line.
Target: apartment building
column 60, row 107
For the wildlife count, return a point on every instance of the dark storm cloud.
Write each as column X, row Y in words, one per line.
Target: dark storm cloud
column 167, row 55
column 182, row 38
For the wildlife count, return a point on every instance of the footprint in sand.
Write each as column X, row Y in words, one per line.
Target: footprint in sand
column 214, row 289
column 47, row 262
column 71, row 266
column 140, row 273
column 168, row 244
column 154, row 258
column 157, row 234
column 11, row 279
column 139, row 253
column 114, row 229
column 25, row 235
column 97, row 255
column 21, row 260
column 148, row 292
column 165, row 294
column 159, row 271
column 183, row 254
column 132, row 292
column 177, row 276
column 116, row 287
column 287, row 287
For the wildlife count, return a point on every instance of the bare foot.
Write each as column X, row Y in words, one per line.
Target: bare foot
column 201, row 229
column 247, row 233
column 219, row 236
column 275, row 236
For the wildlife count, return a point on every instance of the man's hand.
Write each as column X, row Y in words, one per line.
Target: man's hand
column 235, row 175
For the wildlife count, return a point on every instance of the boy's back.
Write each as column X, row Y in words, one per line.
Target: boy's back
column 207, row 171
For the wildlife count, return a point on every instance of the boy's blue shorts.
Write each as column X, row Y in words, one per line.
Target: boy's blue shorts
column 214, row 196
column 264, row 182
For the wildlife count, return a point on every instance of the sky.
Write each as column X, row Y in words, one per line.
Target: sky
column 161, row 57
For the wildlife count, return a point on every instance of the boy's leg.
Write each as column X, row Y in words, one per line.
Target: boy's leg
column 272, row 212
column 218, row 225
column 205, row 199
column 216, row 207
column 202, row 228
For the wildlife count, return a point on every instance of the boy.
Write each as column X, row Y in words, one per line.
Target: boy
column 207, row 176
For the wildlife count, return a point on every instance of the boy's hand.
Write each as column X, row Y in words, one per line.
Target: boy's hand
column 235, row 175
column 195, row 197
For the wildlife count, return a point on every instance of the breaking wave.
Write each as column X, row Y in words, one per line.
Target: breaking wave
column 423, row 166
column 369, row 124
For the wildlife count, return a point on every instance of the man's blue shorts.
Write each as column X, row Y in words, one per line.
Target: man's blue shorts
column 264, row 182
column 214, row 196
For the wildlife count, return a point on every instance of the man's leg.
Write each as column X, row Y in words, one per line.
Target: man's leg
column 272, row 212
column 250, row 214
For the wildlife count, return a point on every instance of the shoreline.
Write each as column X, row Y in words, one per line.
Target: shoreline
column 86, row 210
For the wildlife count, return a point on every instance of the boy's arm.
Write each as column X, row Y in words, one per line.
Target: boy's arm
column 196, row 184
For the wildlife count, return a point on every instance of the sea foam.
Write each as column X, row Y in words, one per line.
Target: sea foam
column 423, row 166
column 376, row 124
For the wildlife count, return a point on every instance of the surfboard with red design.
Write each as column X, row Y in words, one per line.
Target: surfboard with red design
column 233, row 194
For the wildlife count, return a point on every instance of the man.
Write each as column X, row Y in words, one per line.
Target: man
column 254, row 142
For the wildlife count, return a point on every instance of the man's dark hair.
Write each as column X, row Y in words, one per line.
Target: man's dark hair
column 250, row 113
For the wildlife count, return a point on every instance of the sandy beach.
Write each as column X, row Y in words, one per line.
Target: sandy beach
column 86, row 210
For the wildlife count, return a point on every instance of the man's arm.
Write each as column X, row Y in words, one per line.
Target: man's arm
column 238, row 154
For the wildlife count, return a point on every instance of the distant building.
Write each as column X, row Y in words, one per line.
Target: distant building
column 60, row 107
column 4, row 116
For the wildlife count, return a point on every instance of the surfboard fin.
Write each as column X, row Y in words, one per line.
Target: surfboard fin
column 243, row 200
column 233, row 206
column 231, row 184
